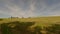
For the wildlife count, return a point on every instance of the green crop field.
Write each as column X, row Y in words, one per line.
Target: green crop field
column 44, row 21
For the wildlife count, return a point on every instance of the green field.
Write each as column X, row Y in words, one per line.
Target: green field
column 41, row 25
column 44, row 21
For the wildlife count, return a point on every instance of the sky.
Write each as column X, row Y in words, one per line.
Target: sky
column 29, row 8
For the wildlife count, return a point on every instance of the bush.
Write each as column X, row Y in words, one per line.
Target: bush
column 55, row 29
column 5, row 29
column 16, row 27
column 1, row 19
column 37, row 30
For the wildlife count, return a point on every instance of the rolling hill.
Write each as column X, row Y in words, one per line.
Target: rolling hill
column 38, row 20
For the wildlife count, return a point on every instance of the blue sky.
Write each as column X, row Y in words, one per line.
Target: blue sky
column 29, row 8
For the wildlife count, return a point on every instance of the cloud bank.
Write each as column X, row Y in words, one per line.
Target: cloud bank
column 29, row 8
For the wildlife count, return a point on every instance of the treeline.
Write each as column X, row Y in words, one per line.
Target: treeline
column 17, row 27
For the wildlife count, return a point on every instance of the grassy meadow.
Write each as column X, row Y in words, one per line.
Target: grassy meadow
column 34, row 25
column 44, row 21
